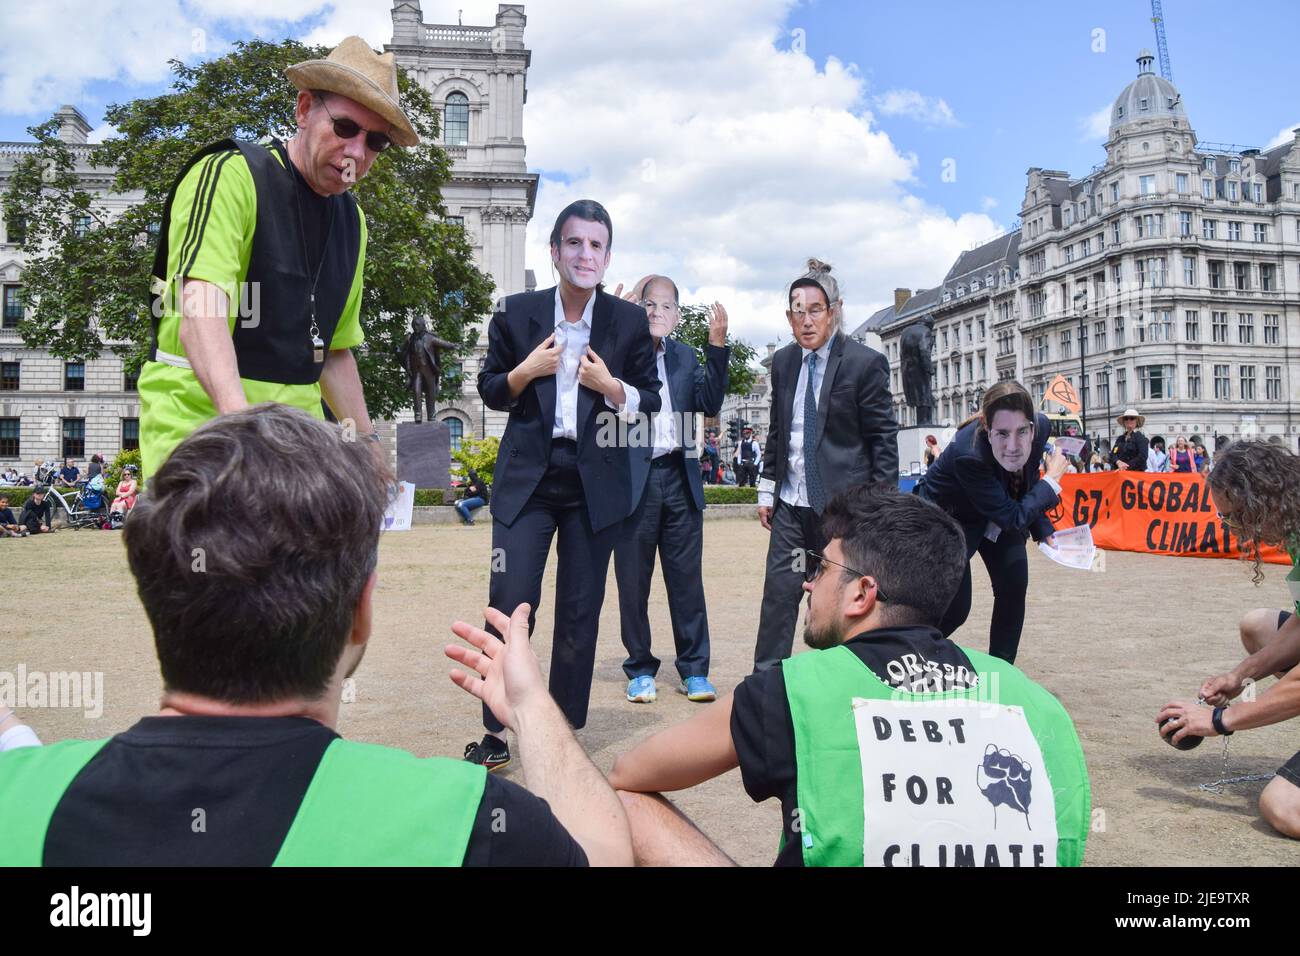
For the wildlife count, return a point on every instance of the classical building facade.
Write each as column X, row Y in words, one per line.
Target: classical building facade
column 51, row 408
column 1167, row 278
column 477, row 77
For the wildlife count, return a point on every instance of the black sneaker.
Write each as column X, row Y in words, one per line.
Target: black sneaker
column 490, row 752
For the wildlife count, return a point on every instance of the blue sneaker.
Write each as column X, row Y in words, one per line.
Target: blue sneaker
column 641, row 690
column 698, row 689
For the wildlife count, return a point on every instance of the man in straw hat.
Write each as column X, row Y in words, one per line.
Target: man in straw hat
column 257, row 276
column 1130, row 451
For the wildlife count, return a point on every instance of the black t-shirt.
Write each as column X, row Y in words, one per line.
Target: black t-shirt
column 40, row 512
column 315, row 210
column 918, row 659
column 135, row 802
column 7, row 516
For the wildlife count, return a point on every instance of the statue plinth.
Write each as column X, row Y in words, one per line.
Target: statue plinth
column 424, row 454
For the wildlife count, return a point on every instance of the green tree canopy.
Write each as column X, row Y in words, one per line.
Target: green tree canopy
column 86, row 281
column 693, row 329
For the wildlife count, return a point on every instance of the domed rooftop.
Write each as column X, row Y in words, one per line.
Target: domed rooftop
column 1146, row 98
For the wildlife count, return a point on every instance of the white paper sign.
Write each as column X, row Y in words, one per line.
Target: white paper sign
column 953, row 783
column 1074, row 548
column 397, row 516
column 1069, row 446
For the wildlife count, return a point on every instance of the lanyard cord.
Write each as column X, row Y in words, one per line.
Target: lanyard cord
column 316, row 341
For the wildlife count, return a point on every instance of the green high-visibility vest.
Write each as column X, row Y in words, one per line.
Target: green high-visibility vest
column 366, row 805
column 990, row 776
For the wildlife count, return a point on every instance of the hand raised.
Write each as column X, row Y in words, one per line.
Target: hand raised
column 508, row 673
column 718, row 325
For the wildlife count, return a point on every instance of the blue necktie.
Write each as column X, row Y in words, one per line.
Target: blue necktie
column 816, row 495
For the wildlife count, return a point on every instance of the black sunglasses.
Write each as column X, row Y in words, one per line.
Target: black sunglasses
column 819, row 565
column 346, row 129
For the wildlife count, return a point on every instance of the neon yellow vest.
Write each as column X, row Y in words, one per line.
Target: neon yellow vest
column 366, row 805
column 990, row 776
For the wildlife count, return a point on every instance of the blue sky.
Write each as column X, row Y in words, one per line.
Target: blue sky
column 1020, row 78
column 764, row 156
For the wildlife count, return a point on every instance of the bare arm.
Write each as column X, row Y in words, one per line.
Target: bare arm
column 1279, row 654
column 340, row 385
column 555, row 766
column 680, row 757
column 205, row 336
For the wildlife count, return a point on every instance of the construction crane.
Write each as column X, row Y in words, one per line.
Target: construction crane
column 1162, row 48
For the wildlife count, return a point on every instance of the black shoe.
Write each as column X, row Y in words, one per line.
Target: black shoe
column 491, row 753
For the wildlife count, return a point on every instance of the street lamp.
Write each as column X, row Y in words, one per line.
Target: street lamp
column 1083, row 343
column 1107, row 368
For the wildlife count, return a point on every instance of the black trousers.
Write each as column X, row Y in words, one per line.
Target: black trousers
column 1008, row 567
column 746, row 473
column 793, row 529
column 558, row 506
column 666, row 521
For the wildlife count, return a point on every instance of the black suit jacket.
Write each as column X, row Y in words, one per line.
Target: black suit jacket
column 857, row 436
column 969, row 484
column 692, row 388
column 620, row 335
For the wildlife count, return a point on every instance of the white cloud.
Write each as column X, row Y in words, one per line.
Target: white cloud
column 913, row 105
column 724, row 161
column 1285, row 135
column 988, row 204
column 101, row 133
column 1096, row 126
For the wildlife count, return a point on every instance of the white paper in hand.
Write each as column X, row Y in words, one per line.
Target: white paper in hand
column 1068, row 446
column 397, row 516
column 1074, row 548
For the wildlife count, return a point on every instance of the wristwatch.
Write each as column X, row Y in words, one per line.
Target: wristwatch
column 1217, row 719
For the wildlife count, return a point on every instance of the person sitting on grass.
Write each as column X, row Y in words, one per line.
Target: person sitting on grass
column 887, row 744
column 9, row 526
column 1256, row 488
column 257, row 623
column 38, row 512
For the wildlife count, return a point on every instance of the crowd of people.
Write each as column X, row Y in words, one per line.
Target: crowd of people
column 87, row 496
column 886, row 743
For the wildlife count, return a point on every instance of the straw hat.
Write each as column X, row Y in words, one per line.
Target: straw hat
column 1132, row 413
column 354, row 70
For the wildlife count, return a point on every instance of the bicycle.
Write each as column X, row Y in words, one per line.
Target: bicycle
column 78, row 512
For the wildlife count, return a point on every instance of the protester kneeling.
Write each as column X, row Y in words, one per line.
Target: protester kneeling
column 888, row 744
column 257, row 623
column 1256, row 488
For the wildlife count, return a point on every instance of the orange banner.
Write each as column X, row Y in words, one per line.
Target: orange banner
column 1156, row 513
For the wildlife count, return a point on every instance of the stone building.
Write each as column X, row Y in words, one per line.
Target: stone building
column 477, row 77
column 51, row 408
column 1167, row 277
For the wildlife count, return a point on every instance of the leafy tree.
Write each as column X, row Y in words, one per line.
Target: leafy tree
column 479, row 454
column 693, row 329
column 88, row 288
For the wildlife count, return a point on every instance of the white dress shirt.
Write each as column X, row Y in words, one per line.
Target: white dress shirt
column 665, row 423
column 573, row 338
column 794, row 490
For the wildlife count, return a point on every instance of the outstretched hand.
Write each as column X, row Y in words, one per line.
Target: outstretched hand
column 508, row 675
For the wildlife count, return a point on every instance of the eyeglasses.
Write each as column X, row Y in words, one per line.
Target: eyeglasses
column 347, row 128
column 819, row 565
column 817, row 311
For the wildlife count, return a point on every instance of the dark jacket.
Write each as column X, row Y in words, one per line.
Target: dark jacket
column 620, row 335
column 478, row 488
column 693, row 388
column 35, row 515
column 970, row 485
column 857, row 436
column 1131, row 447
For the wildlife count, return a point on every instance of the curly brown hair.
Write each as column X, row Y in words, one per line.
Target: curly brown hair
column 1258, row 482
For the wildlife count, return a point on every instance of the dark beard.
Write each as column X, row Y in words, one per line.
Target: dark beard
column 830, row 636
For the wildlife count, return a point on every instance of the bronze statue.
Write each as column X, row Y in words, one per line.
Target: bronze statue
column 422, row 359
column 918, row 368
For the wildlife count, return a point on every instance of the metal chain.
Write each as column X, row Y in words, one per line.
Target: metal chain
column 1226, row 781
